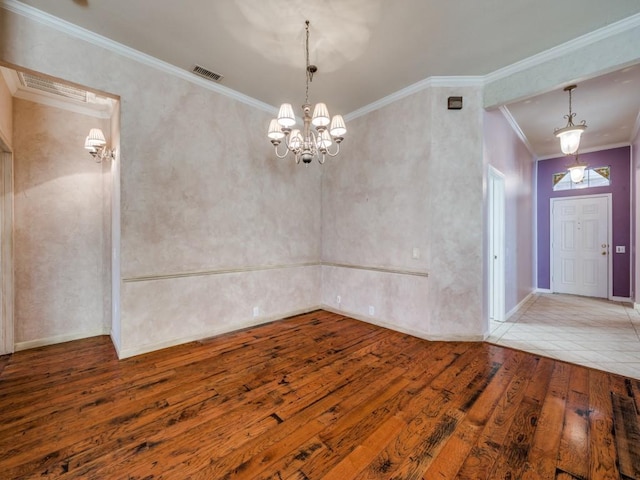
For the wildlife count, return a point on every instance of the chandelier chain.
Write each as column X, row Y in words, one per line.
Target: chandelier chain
column 308, row 70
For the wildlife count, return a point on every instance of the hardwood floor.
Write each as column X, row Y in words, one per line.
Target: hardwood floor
column 318, row 396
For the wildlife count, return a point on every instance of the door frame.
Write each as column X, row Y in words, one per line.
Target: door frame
column 7, row 327
column 496, row 195
column 609, row 198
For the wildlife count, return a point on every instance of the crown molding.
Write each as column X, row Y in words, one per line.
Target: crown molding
column 516, row 128
column 459, row 81
column 587, row 150
column 566, row 48
column 444, row 81
column 636, row 129
column 120, row 49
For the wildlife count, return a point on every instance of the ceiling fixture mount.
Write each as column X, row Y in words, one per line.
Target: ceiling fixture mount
column 576, row 170
column 307, row 144
column 570, row 135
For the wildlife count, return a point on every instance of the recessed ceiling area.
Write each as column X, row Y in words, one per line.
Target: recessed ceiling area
column 610, row 104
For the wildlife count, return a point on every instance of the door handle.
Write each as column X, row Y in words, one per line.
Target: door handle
column 604, row 253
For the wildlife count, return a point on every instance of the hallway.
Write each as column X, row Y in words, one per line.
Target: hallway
column 593, row 332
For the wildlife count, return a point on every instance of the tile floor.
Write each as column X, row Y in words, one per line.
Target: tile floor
column 593, row 332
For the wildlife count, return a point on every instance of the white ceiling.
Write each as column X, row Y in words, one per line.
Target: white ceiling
column 368, row 49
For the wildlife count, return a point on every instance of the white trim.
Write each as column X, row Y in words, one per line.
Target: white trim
column 636, row 129
column 542, row 290
column 11, row 79
column 409, row 331
column 566, row 48
column 120, row 49
column 621, row 299
column 496, row 220
column 516, row 128
column 61, row 104
column 151, row 347
column 515, row 309
column 459, row 81
column 7, row 288
column 41, row 342
column 601, row 148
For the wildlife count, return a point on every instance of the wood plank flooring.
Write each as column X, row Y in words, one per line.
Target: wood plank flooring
column 317, row 396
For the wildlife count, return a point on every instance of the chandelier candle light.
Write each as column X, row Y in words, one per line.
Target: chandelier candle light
column 570, row 135
column 307, row 144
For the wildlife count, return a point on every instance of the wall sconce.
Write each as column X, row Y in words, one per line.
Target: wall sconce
column 96, row 145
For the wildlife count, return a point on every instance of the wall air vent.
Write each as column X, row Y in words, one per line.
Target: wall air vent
column 208, row 74
column 50, row 86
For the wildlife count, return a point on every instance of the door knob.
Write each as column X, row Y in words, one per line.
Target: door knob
column 604, row 253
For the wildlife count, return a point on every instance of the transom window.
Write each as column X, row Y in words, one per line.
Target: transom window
column 593, row 177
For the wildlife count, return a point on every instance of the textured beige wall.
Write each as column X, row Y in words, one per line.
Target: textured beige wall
column 410, row 178
column 6, row 115
column 58, row 226
column 201, row 194
column 375, row 205
column 455, row 221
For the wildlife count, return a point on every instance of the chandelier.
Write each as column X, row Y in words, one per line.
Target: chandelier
column 307, row 144
column 570, row 135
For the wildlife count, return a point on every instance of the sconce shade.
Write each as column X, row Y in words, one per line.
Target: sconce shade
column 95, row 139
column 286, row 118
column 338, row 128
column 275, row 132
column 320, row 116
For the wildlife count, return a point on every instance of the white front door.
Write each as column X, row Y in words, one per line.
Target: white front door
column 580, row 245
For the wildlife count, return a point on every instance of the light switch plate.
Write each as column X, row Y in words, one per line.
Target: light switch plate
column 620, row 249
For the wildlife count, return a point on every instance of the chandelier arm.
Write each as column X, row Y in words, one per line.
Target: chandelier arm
column 275, row 147
column 336, row 152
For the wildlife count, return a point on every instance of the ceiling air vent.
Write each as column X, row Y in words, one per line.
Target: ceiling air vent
column 50, row 86
column 208, row 74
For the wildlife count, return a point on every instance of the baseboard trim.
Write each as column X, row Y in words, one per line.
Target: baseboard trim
column 128, row 352
column 409, row 331
column 515, row 309
column 43, row 342
column 542, row 290
column 621, row 299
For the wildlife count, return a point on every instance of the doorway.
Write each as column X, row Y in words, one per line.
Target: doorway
column 6, row 250
column 580, row 239
column 496, row 220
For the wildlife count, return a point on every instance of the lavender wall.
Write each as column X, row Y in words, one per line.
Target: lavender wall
column 619, row 161
column 504, row 151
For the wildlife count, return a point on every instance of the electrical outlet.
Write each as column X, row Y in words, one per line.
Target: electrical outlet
column 338, row 299
column 416, row 253
column 372, row 310
column 256, row 311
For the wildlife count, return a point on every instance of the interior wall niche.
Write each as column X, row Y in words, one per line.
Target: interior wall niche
column 62, row 202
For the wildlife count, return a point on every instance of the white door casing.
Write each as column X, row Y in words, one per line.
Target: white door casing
column 580, row 239
column 496, row 218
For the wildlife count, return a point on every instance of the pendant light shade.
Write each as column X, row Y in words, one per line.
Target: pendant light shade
column 570, row 135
